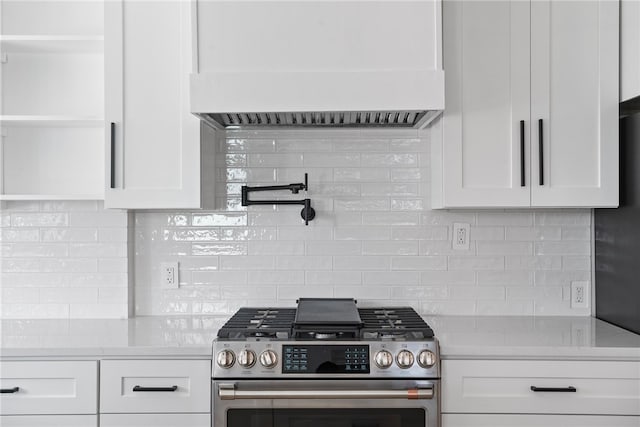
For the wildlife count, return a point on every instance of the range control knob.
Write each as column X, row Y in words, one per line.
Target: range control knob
column 383, row 359
column 426, row 358
column 246, row 358
column 226, row 359
column 404, row 359
column 268, row 358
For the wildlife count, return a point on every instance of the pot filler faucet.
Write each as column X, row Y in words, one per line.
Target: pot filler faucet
column 307, row 213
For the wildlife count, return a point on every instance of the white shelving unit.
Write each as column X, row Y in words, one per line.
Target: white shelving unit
column 52, row 100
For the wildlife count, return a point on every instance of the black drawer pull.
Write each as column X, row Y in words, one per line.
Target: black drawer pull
column 113, row 154
column 522, row 183
column 555, row 389
column 540, row 153
column 10, row 390
column 172, row 388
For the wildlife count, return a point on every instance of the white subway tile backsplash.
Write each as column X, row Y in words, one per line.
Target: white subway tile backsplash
column 19, row 235
column 41, row 219
column 76, row 234
column 337, row 278
column 374, row 238
column 390, row 247
column 476, row 263
column 533, row 233
column 390, row 218
column 419, row 263
column 563, row 248
column 563, row 217
column 298, row 262
column 504, row 248
column 523, row 219
column 361, row 263
column 334, row 247
column 390, row 278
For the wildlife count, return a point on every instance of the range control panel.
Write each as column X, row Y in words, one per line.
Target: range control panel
column 305, row 359
column 325, row 359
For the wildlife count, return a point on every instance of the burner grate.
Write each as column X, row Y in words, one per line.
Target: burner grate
column 393, row 322
column 259, row 322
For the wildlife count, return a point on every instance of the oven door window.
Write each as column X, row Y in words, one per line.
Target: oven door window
column 330, row 417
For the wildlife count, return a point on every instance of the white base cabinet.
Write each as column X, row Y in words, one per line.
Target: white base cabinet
column 49, row 388
column 155, row 420
column 531, row 116
column 49, row 421
column 502, row 420
column 502, row 393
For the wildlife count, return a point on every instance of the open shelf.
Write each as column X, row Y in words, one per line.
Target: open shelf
column 51, row 44
column 51, row 121
column 51, row 197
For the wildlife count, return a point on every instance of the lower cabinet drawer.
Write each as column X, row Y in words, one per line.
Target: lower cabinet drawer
column 486, row 420
column 32, row 388
column 155, row 386
column 564, row 387
column 155, row 420
column 49, row 421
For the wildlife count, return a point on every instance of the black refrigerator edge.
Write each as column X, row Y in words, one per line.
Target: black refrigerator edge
column 617, row 239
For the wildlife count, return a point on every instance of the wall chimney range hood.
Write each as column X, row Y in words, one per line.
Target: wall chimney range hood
column 318, row 63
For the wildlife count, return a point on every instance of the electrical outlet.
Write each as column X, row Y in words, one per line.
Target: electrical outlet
column 169, row 275
column 460, row 236
column 579, row 294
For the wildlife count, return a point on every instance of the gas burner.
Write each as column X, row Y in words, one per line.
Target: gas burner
column 326, row 320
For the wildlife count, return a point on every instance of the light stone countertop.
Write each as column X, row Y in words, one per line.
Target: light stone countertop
column 190, row 337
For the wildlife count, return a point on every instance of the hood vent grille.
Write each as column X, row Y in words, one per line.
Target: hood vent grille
column 401, row 119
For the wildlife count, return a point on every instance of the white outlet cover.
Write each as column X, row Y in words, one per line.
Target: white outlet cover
column 463, row 229
column 164, row 275
column 575, row 289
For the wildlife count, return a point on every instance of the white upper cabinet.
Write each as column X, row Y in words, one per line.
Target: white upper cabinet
column 513, row 68
column 629, row 49
column 152, row 139
column 486, row 58
column 574, row 101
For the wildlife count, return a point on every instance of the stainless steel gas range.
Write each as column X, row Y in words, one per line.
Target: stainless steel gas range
column 326, row 363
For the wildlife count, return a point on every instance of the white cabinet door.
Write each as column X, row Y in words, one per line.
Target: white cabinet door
column 574, row 98
column 482, row 420
column 155, row 420
column 155, row 386
column 507, row 386
column 486, row 58
column 46, row 388
column 629, row 49
column 152, row 140
column 49, row 421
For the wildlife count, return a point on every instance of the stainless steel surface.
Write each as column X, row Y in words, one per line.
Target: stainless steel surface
column 383, row 359
column 271, row 351
column 279, row 391
column 404, row 359
column 225, row 359
column 268, row 358
column 229, row 392
column 406, row 119
column 246, row 358
column 426, row 359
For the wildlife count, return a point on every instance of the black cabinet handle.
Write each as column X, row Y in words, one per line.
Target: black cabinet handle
column 10, row 390
column 172, row 388
column 554, row 389
column 540, row 152
column 113, row 155
column 522, row 183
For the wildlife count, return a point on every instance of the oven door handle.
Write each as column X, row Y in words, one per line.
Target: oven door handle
column 229, row 392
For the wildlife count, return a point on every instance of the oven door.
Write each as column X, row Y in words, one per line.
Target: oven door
column 326, row 403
